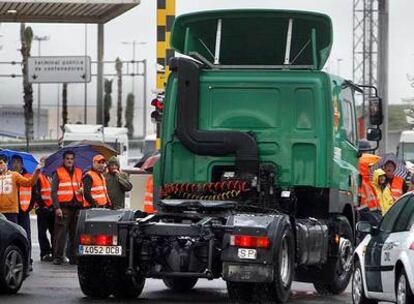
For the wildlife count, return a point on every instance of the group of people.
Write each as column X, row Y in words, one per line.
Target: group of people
column 379, row 193
column 58, row 199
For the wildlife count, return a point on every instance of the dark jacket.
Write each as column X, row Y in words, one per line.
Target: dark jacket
column 117, row 185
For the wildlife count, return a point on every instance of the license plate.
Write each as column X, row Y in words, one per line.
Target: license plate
column 245, row 253
column 100, row 250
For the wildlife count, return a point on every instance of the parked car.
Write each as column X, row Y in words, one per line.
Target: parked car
column 14, row 256
column 384, row 260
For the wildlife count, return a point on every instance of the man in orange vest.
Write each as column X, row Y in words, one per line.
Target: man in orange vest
column 94, row 184
column 42, row 196
column 67, row 201
column 25, row 199
column 397, row 184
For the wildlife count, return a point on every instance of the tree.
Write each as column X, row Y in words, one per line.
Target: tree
column 64, row 105
column 107, row 102
column 26, row 38
column 118, row 68
column 129, row 114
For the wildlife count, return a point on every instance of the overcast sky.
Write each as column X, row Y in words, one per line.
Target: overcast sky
column 140, row 24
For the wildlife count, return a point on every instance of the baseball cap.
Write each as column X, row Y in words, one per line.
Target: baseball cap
column 98, row 158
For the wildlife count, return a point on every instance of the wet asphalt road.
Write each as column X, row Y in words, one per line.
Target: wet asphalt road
column 59, row 284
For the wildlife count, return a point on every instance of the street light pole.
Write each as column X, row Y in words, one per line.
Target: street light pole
column 133, row 43
column 39, row 39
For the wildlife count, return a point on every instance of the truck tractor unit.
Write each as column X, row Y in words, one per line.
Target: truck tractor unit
column 257, row 181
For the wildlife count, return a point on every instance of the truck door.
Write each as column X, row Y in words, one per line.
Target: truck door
column 373, row 255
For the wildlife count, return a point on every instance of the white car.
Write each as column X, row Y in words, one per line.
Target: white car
column 384, row 260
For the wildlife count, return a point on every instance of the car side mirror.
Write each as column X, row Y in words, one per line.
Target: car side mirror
column 364, row 227
column 376, row 116
column 374, row 134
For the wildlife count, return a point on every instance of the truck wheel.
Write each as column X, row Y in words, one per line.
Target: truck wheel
column 128, row 287
column 96, row 277
column 240, row 292
column 180, row 284
column 279, row 290
column 358, row 293
column 338, row 270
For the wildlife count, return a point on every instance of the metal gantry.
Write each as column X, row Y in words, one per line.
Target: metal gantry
column 370, row 52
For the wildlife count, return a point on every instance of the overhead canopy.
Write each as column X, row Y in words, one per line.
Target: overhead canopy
column 64, row 11
column 255, row 37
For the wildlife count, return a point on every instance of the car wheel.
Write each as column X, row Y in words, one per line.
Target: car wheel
column 404, row 293
column 11, row 270
column 180, row 284
column 358, row 293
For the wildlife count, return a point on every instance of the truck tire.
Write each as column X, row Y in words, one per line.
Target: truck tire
column 128, row 287
column 241, row 293
column 97, row 276
column 338, row 270
column 180, row 284
column 358, row 292
column 279, row 290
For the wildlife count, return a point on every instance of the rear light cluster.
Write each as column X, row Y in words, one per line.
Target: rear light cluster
column 100, row 239
column 412, row 246
column 248, row 241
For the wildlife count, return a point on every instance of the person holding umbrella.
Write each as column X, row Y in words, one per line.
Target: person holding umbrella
column 67, row 201
column 94, row 183
column 397, row 184
column 10, row 181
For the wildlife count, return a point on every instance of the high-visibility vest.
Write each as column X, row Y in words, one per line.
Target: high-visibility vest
column 68, row 186
column 397, row 185
column 99, row 192
column 45, row 190
column 368, row 197
column 25, row 195
column 148, row 197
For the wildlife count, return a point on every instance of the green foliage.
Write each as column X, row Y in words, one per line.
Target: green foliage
column 396, row 117
column 129, row 114
column 118, row 68
column 107, row 101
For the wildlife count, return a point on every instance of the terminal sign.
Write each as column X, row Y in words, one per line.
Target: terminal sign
column 64, row 69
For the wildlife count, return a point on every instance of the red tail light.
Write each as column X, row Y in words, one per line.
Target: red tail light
column 248, row 241
column 412, row 246
column 100, row 239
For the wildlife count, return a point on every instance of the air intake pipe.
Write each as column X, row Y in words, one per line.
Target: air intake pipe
column 214, row 143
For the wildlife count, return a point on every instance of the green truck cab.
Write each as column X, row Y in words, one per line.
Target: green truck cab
column 257, row 181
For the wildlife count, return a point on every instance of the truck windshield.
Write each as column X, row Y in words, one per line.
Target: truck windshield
column 115, row 145
column 407, row 151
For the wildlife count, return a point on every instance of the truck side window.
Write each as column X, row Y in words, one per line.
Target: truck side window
column 348, row 114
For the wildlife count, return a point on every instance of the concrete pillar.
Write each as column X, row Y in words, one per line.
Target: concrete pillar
column 100, row 78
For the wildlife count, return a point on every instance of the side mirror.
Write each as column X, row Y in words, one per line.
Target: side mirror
column 376, row 116
column 364, row 227
column 374, row 134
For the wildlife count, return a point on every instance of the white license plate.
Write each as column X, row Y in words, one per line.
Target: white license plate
column 246, row 253
column 100, row 250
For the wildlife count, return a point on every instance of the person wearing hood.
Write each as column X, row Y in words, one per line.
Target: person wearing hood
column 117, row 183
column 383, row 190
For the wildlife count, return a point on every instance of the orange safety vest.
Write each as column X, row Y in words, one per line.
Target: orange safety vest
column 45, row 190
column 396, row 186
column 25, row 195
column 68, row 186
column 368, row 197
column 148, row 197
column 99, row 192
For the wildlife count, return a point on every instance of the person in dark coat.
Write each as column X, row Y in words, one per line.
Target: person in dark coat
column 117, row 183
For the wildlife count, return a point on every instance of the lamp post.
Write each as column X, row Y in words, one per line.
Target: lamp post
column 133, row 43
column 39, row 40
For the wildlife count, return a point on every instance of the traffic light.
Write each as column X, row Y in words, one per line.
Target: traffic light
column 156, row 115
